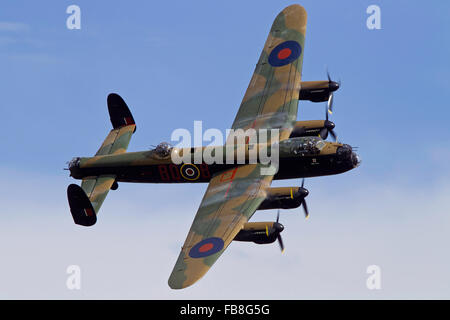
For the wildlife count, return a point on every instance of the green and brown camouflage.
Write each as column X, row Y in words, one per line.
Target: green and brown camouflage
column 271, row 99
column 97, row 189
column 230, row 200
column 232, row 197
column 117, row 141
column 235, row 190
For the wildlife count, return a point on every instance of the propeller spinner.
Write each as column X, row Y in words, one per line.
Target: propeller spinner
column 328, row 128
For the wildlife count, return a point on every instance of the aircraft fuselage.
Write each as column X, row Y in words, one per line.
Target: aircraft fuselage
column 302, row 157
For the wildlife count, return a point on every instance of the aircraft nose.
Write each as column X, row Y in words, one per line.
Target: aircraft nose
column 344, row 152
column 356, row 160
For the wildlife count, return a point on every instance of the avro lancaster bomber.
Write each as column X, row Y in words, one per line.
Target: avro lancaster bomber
column 235, row 191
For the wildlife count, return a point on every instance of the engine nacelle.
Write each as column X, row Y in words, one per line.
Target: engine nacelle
column 312, row 128
column 283, row 198
column 260, row 232
column 317, row 91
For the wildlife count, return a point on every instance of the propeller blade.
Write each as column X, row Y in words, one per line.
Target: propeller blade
column 303, row 204
column 330, row 97
column 305, row 209
column 280, row 241
column 267, row 230
column 278, row 215
column 323, row 133
column 330, row 103
column 333, row 134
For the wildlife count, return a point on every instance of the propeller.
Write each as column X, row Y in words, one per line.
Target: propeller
column 328, row 128
column 333, row 86
column 305, row 194
column 280, row 240
column 328, row 125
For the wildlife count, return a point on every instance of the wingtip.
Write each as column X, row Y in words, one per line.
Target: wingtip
column 295, row 8
column 187, row 272
column 176, row 283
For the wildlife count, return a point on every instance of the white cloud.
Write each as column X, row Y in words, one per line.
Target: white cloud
column 132, row 249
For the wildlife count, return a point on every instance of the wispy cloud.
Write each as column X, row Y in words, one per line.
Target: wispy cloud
column 13, row 26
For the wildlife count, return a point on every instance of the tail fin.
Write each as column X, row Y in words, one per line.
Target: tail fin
column 123, row 127
column 81, row 208
column 119, row 113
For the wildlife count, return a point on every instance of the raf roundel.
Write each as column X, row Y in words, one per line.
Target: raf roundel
column 285, row 53
column 206, row 247
column 190, row 172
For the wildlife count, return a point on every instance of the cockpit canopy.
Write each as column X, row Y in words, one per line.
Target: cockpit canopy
column 302, row 146
column 163, row 149
column 75, row 162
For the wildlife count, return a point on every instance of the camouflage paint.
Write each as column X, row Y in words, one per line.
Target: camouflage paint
column 270, row 102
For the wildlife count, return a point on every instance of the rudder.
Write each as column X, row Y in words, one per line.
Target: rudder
column 119, row 113
column 123, row 127
column 81, row 208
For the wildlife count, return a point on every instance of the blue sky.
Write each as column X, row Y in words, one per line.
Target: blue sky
column 180, row 61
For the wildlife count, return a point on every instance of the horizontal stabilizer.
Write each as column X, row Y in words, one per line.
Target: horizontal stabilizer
column 119, row 112
column 97, row 188
column 116, row 141
column 81, row 208
column 85, row 201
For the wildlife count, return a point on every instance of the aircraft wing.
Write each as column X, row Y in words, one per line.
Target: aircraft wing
column 271, row 99
column 232, row 197
column 230, row 200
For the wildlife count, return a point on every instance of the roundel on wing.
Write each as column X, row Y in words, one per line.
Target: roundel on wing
column 206, row 247
column 285, row 53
